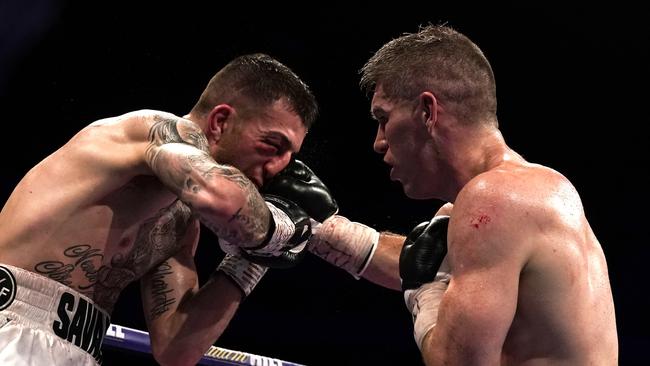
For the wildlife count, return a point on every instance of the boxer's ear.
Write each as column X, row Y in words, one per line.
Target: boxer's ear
column 430, row 108
column 218, row 121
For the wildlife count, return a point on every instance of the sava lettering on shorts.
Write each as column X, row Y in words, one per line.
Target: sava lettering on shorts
column 81, row 323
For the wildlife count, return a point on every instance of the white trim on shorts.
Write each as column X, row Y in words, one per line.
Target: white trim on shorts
column 38, row 302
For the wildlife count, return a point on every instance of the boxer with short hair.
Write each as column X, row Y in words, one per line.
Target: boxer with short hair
column 515, row 275
column 122, row 201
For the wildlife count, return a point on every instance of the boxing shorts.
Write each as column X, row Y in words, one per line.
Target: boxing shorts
column 43, row 322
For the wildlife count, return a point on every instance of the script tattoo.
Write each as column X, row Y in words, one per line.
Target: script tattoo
column 157, row 239
column 255, row 218
column 161, row 291
column 253, row 221
column 85, row 259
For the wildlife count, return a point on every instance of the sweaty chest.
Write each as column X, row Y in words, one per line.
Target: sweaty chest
column 137, row 201
column 146, row 227
column 148, row 242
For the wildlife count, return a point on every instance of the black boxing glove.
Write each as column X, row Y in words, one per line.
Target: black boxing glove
column 424, row 273
column 346, row 244
column 423, row 251
column 297, row 183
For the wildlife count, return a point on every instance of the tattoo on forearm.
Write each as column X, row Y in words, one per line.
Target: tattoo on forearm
column 161, row 293
column 255, row 218
column 183, row 171
column 252, row 219
column 187, row 173
column 235, row 176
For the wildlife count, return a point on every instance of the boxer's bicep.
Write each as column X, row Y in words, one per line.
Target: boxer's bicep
column 477, row 309
column 165, row 286
column 486, row 255
column 177, row 153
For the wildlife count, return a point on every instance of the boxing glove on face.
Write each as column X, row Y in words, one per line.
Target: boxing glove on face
column 300, row 185
column 423, row 251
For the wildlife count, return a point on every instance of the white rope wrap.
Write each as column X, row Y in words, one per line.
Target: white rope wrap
column 284, row 230
column 423, row 303
column 344, row 243
column 243, row 272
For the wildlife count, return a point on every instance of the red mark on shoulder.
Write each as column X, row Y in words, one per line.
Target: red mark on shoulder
column 481, row 219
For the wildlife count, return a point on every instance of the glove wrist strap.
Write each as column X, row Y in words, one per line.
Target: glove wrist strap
column 284, row 230
column 242, row 272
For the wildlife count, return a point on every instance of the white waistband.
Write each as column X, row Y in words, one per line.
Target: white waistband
column 44, row 303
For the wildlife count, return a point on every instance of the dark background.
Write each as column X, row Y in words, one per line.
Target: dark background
column 572, row 89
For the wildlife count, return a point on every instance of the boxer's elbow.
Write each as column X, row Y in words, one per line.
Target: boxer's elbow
column 172, row 347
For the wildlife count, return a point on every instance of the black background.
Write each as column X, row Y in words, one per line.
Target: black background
column 572, row 89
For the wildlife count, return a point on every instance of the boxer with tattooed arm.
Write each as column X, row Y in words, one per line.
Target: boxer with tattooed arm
column 122, row 200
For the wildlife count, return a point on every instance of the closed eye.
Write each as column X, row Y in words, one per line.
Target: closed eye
column 277, row 142
column 268, row 148
column 380, row 116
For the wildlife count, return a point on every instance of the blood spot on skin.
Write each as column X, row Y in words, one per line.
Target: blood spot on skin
column 482, row 219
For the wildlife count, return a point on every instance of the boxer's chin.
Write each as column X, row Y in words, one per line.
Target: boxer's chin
column 413, row 191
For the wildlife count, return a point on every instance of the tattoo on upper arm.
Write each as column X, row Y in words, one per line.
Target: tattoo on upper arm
column 162, row 298
column 160, row 237
column 177, row 169
column 188, row 172
column 166, row 130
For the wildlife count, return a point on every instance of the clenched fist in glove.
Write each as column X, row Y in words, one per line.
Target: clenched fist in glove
column 297, row 183
column 424, row 273
column 343, row 243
